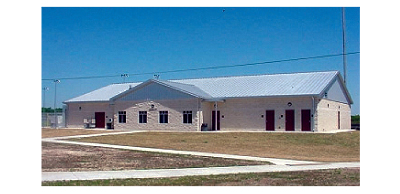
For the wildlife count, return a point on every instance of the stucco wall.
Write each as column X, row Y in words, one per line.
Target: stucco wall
column 327, row 115
column 75, row 116
column 249, row 113
column 206, row 108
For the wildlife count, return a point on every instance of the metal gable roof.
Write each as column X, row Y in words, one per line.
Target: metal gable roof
column 186, row 88
column 312, row 83
column 309, row 83
column 103, row 94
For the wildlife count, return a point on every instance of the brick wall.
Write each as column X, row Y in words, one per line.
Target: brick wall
column 327, row 111
column 175, row 110
column 75, row 115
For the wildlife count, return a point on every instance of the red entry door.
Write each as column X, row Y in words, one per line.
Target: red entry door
column 289, row 122
column 306, row 120
column 100, row 119
column 270, row 120
column 218, row 120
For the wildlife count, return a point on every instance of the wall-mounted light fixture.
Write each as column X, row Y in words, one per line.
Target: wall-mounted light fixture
column 289, row 104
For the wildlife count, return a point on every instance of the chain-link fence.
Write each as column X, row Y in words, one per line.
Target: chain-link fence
column 53, row 121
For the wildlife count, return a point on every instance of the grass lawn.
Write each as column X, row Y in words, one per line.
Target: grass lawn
column 301, row 146
column 335, row 177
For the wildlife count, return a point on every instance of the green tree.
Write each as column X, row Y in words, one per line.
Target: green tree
column 50, row 110
column 355, row 119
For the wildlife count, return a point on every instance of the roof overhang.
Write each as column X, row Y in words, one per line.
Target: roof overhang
column 94, row 101
column 272, row 96
column 214, row 100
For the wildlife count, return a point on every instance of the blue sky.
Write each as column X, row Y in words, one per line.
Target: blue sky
column 78, row 42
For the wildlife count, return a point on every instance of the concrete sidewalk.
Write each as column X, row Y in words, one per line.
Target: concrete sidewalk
column 228, row 156
column 163, row 173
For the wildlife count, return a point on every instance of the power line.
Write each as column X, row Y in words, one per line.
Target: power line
column 86, row 77
column 206, row 68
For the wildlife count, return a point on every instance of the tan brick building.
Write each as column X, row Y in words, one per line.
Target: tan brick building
column 312, row 101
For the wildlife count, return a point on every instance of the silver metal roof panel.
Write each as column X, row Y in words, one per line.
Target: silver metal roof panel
column 187, row 88
column 104, row 93
column 293, row 84
column 264, row 85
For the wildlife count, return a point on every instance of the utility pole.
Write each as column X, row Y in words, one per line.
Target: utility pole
column 56, row 81
column 44, row 96
column 344, row 46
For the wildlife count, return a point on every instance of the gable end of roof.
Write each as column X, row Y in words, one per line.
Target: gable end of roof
column 340, row 80
column 184, row 88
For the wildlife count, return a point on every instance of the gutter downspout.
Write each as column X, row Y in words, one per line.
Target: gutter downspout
column 216, row 116
column 313, row 114
column 198, row 115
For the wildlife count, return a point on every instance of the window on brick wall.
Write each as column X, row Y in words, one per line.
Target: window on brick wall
column 121, row 116
column 142, row 116
column 187, row 116
column 163, row 116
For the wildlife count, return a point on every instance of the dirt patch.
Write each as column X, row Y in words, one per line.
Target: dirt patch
column 47, row 132
column 64, row 157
